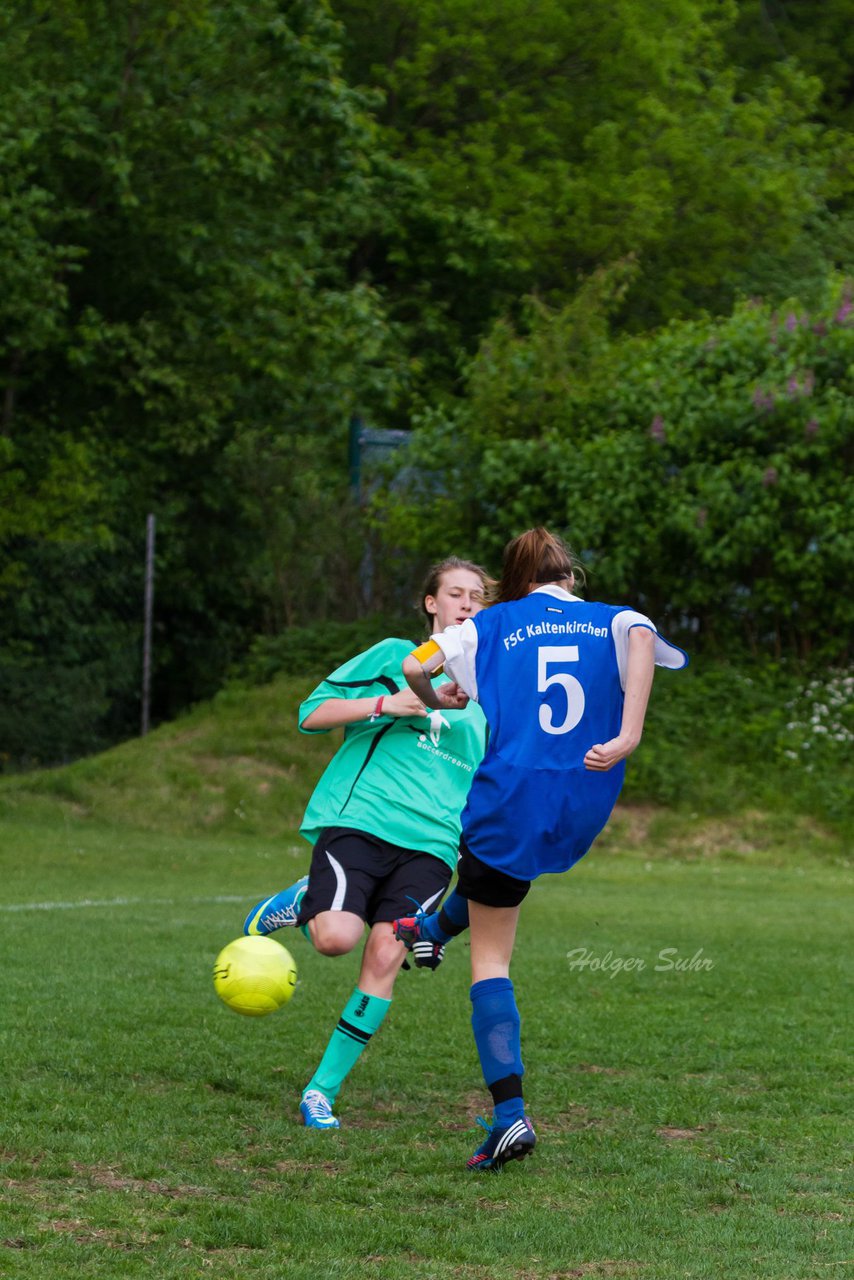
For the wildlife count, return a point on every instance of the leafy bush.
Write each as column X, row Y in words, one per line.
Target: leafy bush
column 722, row 739
column 703, row 472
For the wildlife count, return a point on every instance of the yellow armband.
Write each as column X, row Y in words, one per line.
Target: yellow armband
column 424, row 653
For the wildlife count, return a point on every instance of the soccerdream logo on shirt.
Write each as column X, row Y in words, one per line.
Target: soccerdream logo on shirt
column 437, row 723
column 431, row 740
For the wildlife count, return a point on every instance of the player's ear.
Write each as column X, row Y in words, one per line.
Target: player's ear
column 430, row 605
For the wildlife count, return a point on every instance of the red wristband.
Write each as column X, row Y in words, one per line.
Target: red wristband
column 378, row 708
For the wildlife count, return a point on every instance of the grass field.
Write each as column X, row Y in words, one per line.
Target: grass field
column 689, row 1105
column 691, row 1121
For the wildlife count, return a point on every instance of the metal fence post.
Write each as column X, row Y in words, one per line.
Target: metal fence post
column 149, row 608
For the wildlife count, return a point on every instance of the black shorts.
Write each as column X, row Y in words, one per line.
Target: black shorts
column 481, row 883
column 353, row 871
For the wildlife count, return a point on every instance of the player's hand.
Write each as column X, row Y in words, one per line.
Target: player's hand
column 451, row 697
column 605, row 755
column 405, row 703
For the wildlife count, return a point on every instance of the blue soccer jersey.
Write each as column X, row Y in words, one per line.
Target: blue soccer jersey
column 549, row 672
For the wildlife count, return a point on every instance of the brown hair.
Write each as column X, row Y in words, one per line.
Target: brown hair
column 536, row 556
column 436, row 572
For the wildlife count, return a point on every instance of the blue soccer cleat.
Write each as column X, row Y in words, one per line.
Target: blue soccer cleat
column 316, row 1111
column 426, row 953
column 514, row 1142
column 278, row 912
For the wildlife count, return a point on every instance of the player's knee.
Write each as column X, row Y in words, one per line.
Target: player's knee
column 334, row 937
column 384, row 955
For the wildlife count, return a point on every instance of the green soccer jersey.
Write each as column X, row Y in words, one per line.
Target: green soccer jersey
column 402, row 779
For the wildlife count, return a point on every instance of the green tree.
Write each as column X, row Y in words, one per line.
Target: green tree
column 819, row 37
column 184, row 188
column 583, row 134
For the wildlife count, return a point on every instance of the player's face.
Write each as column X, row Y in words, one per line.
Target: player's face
column 460, row 596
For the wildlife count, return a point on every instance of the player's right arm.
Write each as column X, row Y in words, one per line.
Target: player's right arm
column 365, row 687
column 335, row 713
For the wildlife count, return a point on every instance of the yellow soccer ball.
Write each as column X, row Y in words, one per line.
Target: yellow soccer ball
column 254, row 975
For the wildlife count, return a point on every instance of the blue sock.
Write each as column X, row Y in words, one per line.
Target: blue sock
column 451, row 919
column 496, row 1024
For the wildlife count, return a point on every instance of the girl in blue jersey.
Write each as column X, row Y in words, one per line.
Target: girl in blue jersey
column 564, row 685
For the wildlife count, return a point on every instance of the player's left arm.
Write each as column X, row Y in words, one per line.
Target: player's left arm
column 639, row 672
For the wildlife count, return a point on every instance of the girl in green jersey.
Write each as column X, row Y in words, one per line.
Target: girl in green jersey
column 383, row 821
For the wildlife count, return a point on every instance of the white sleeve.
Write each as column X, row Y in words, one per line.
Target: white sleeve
column 666, row 654
column 459, row 645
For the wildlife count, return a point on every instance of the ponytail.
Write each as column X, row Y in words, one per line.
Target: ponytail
column 535, row 557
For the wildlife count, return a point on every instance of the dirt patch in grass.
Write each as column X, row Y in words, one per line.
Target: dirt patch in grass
column 108, row 1179
column 592, row 1068
column 108, row 1236
column 369, row 1120
column 377, row 1113
column 473, row 1272
column 237, row 1253
column 677, row 1135
column 570, row 1121
column 29, row 1188
column 15, row 1157
column 326, row 1167
column 606, row 1268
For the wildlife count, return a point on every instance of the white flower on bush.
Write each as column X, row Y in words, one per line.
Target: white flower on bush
column 823, row 714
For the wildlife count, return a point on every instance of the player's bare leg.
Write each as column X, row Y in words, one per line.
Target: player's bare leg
column 493, row 934
column 381, row 961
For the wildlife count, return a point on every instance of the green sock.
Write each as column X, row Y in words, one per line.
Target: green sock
column 362, row 1016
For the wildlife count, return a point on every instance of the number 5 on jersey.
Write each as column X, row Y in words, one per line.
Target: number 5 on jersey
column 548, row 657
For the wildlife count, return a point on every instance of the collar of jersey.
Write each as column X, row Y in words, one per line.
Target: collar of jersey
column 558, row 592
